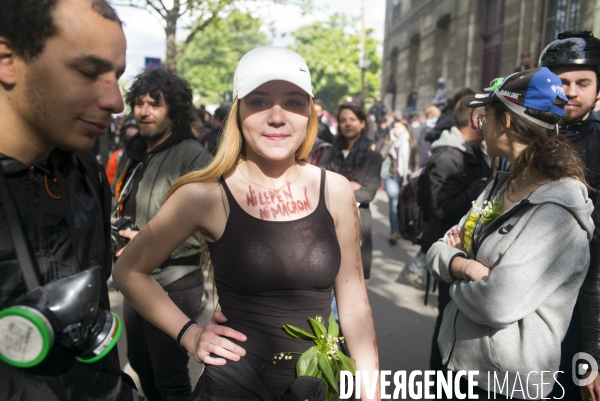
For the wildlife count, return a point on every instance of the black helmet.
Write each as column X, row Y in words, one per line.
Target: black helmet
column 580, row 48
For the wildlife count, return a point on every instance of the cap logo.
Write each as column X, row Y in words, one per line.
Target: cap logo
column 557, row 89
column 496, row 83
column 511, row 95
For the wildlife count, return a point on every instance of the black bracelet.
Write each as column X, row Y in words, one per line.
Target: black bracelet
column 184, row 331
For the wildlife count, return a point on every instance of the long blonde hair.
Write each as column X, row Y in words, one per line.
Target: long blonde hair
column 232, row 148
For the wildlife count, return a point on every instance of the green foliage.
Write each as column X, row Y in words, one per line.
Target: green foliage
column 210, row 59
column 324, row 360
column 331, row 50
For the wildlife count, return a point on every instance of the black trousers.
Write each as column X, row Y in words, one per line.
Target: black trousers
column 571, row 345
column 435, row 360
column 157, row 359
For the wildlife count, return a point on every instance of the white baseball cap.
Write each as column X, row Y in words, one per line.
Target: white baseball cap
column 270, row 63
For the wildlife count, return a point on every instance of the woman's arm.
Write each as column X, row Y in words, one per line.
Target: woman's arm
column 356, row 317
column 370, row 178
column 551, row 248
column 191, row 208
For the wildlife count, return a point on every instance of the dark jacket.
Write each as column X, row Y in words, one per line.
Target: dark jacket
column 456, row 173
column 178, row 155
column 584, row 137
column 444, row 122
column 325, row 133
column 58, row 253
column 424, row 145
column 369, row 178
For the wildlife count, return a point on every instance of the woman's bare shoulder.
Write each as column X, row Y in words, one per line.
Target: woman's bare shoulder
column 338, row 185
column 342, row 204
column 199, row 193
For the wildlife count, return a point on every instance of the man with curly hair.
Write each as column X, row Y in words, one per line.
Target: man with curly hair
column 164, row 150
column 59, row 65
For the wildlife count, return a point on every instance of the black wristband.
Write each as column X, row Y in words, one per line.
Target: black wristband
column 184, row 331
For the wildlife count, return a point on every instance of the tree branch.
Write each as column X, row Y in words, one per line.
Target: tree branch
column 158, row 10
column 128, row 5
column 161, row 4
column 186, row 7
column 200, row 27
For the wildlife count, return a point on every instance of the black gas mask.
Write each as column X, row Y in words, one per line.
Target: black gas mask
column 65, row 311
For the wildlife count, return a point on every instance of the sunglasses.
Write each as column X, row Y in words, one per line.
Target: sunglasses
column 481, row 121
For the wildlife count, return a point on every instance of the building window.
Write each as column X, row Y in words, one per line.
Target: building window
column 413, row 63
column 561, row 15
column 442, row 51
column 391, row 84
column 397, row 10
column 492, row 41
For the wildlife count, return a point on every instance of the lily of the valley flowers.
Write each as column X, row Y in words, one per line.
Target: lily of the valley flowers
column 485, row 214
column 324, row 360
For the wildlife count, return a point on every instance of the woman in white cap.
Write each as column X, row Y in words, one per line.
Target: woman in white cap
column 516, row 261
column 281, row 233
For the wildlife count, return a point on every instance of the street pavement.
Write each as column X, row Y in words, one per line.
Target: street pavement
column 403, row 323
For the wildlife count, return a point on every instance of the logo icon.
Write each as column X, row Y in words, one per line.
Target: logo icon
column 302, row 69
column 579, row 368
column 505, row 229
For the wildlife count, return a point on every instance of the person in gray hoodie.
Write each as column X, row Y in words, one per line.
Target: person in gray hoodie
column 517, row 259
column 455, row 175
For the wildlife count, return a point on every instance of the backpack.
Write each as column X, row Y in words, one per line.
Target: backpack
column 412, row 207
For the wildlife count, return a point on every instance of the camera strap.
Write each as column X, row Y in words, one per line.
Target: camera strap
column 125, row 191
column 27, row 269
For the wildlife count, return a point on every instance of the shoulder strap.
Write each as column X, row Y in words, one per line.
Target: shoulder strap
column 230, row 198
column 16, row 231
column 593, row 163
column 322, row 186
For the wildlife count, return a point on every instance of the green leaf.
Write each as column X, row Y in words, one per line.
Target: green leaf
column 307, row 364
column 318, row 328
column 346, row 363
column 297, row 332
column 325, row 367
column 334, row 329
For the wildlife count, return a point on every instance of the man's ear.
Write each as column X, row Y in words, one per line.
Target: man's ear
column 474, row 124
column 8, row 73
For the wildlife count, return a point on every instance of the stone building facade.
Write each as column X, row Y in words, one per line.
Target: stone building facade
column 469, row 42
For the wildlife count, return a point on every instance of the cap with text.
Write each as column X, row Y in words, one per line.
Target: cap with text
column 536, row 89
column 270, row 63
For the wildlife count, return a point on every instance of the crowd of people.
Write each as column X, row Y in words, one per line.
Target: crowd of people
column 271, row 197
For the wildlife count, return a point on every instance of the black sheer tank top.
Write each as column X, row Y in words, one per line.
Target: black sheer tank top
column 272, row 272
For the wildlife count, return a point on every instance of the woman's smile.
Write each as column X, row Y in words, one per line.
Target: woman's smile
column 276, row 137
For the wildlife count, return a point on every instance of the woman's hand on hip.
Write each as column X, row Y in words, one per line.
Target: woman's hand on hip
column 214, row 340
